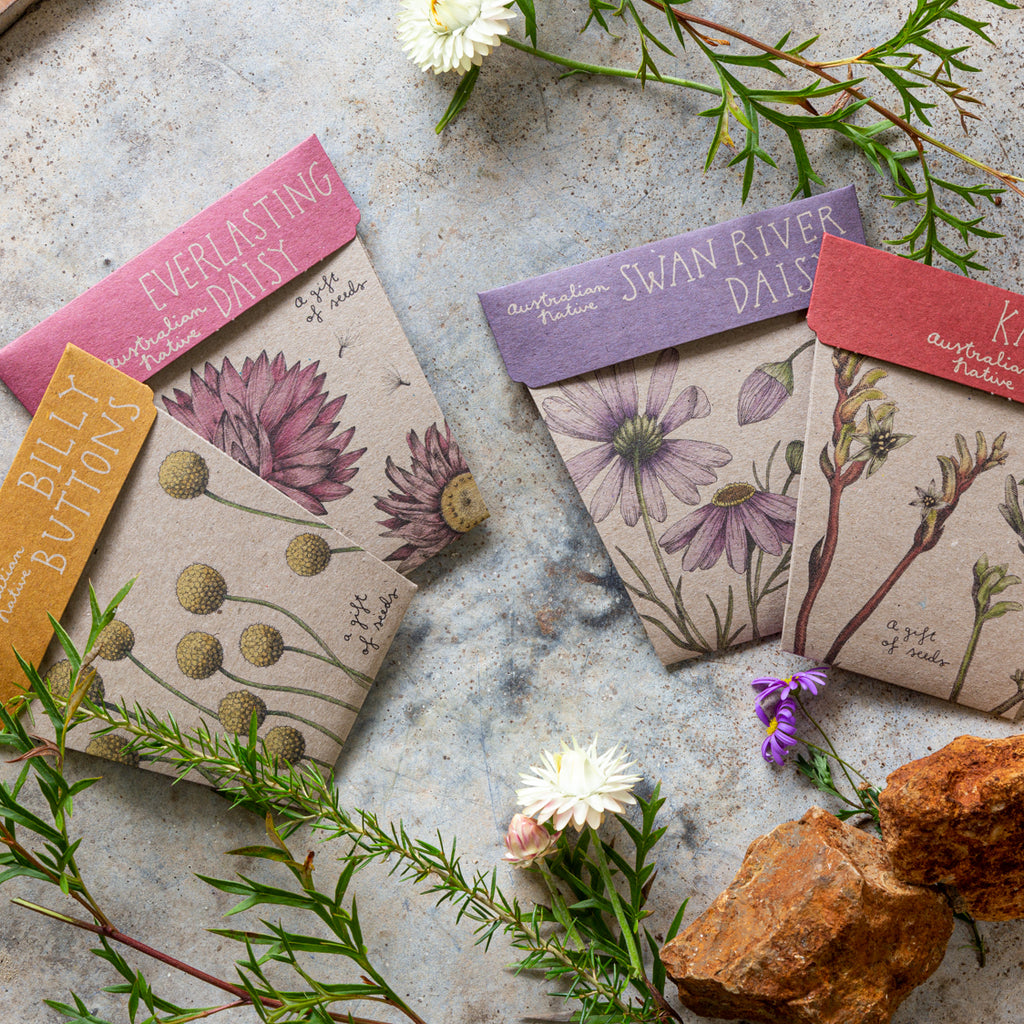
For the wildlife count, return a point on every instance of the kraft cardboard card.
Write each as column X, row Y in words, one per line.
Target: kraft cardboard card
column 263, row 327
column 242, row 608
column 909, row 548
column 674, row 380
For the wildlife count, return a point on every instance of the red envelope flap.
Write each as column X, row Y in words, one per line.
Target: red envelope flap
column 885, row 306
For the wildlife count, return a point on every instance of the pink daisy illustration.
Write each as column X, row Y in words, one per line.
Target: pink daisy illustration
column 634, row 446
column 736, row 515
column 436, row 499
column 277, row 421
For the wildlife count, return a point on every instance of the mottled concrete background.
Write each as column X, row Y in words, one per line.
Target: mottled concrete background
column 119, row 119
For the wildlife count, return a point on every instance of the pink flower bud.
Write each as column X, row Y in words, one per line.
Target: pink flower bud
column 527, row 841
column 764, row 392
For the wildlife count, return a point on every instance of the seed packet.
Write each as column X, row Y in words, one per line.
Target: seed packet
column 673, row 378
column 244, row 609
column 909, row 548
column 262, row 326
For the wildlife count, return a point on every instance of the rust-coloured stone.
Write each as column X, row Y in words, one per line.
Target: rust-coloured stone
column 814, row 929
column 957, row 817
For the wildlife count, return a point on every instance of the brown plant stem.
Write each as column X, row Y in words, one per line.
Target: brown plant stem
column 917, row 137
column 112, row 934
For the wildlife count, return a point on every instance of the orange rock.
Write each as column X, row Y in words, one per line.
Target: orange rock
column 814, row 929
column 957, row 817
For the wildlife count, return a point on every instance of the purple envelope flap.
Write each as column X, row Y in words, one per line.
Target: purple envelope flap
column 642, row 300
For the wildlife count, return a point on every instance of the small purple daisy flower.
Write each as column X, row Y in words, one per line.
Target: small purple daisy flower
column 781, row 726
column 810, row 680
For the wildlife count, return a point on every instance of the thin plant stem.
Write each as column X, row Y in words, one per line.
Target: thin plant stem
column 289, row 689
column 965, row 664
column 620, row 915
column 271, row 515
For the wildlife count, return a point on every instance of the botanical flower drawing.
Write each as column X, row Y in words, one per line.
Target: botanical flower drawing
column 737, row 516
column 277, row 421
column 435, row 501
column 633, row 448
column 451, row 35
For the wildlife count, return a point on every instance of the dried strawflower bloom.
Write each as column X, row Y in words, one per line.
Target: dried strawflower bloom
column 527, row 842
column 199, row 655
column 261, row 645
column 577, row 785
column 451, row 35
column 184, row 474
column 201, row 589
column 236, row 710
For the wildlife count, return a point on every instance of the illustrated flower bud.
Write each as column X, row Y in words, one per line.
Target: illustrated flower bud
column 184, row 474
column 199, row 655
column 795, row 456
column 59, row 679
column 764, row 392
column 114, row 746
column 308, row 554
column 527, row 841
column 236, row 710
column 115, row 641
column 285, row 744
column 201, row 589
column 261, row 645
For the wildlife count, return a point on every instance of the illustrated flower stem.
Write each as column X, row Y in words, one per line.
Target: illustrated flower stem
column 965, row 664
column 686, row 623
column 801, row 348
column 167, row 686
column 270, row 515
column 751, row 574
column 313, row 725
column 353, row 673
column 281, row 688
column 319, row 657
column 113, row 934
column 823, row 563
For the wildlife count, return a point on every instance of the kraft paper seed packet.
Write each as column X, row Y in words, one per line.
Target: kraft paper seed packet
column 674, row 380
column 908, row 558
column 262, row 327
column 245, row 610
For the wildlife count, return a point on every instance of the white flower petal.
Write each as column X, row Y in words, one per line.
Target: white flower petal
column 451, row 35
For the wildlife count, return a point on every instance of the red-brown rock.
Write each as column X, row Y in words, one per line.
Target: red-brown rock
column 814, row 929
column 957, row 817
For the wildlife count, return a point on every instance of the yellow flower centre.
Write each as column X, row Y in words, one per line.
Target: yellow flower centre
column 732, row 495
column 638, row 438
column 450, row 15
column 772, row 726
column 462, row 506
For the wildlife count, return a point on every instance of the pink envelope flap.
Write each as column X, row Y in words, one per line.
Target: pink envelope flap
column 179, row 291
column 885, row 306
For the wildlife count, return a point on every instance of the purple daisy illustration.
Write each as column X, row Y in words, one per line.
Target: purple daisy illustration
column 736, row 515
column 277, row 421
column 436, row 499
column 634, row 446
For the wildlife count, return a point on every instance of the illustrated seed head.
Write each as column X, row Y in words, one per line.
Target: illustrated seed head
column 59, row 679
column 184, row 474
column 199, row 655
column 201, row 589
column 115, row 641
column 261, row 645
column 235, row 711
column 114, row 746
column 285, row 744
column 308, row 554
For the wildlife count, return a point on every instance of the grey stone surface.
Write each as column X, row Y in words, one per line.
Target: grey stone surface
column 121, row 118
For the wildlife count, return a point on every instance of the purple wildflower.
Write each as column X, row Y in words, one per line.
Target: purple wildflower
column 810, row 680
column 781, row 726
column 764, row 392
column 736, row 515
column 634, row 446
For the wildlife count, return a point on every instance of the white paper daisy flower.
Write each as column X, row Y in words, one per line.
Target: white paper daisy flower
column 577, row 785
column 451, row 35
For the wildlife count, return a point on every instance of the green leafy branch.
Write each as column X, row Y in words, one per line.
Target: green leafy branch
column 592, row 942
column 809, row 97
